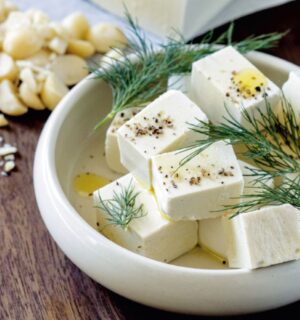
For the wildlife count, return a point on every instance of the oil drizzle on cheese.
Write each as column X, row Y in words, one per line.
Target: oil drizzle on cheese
column 164, row 216
column 214, row 255
column 249, row 82
column 86, row 183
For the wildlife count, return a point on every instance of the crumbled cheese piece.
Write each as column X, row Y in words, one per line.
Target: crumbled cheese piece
column 7, row 149
column 9, row 166
column 58, row 45
column 9, row 157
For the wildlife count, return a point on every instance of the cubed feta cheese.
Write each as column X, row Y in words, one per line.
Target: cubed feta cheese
column 112, row 152
column 264, row 237
column 151, row 235
column 211, row 231
column 200, row 188
column 226, row 82
column 162, row 126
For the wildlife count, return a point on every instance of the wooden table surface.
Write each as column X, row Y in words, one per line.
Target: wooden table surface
column 37, row 281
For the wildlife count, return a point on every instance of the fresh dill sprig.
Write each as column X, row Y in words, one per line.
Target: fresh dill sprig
column 121, row 209
column 287, row 192
column 272, row 141
column 137, row 79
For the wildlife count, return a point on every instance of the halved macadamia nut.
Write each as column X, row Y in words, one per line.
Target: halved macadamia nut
column 21, row 43
column 70, row 68
column 9, row 101
column 58, row 45
column 81, row 48
column 76, row 25
column 105, row 36
column 27, row 76
column 59, row 30
column 41, row 58
column 8, row 68
column 53, row 91
column 3, row 120
column 30, row 98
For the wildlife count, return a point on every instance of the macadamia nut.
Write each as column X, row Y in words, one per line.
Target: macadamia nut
column 76, row 25
column 3, row 120
column 30, row 98
column 9, row 101
column 8, row 68
column 105, row 36
column 53, row 91
column 70, row 68
column 21, row 43
column 81, row 48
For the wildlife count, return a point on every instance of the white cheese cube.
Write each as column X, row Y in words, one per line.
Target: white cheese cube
column 152, row 235
column 291, row 92
column 211, row 231
column 264, row 237
column 160, row 127
column 200, row 188
column 227, row 80
column 112, row 152
column 181, row 82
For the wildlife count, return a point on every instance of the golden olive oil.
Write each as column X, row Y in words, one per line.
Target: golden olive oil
column 249, row 82
column 86, row 183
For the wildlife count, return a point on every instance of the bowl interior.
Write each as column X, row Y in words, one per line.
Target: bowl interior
column 79, row 149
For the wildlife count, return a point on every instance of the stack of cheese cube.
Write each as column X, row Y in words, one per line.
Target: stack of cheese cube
column 183, row 204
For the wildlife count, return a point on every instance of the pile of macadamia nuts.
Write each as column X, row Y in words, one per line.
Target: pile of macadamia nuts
column 40, row 59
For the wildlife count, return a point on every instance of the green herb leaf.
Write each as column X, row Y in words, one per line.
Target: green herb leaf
column 136, row 81
column 122, row 209
column 272, row 142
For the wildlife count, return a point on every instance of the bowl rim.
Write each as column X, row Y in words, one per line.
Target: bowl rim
column 50, row 135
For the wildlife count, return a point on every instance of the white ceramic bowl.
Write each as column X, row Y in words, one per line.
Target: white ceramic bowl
column 169, row 287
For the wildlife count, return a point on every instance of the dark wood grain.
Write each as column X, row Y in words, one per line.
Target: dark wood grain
column 36, row 280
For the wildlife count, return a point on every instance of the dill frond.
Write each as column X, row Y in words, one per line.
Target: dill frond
column 121, row 209
column 138, row 79
column 272, row 141
column 287, row 192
